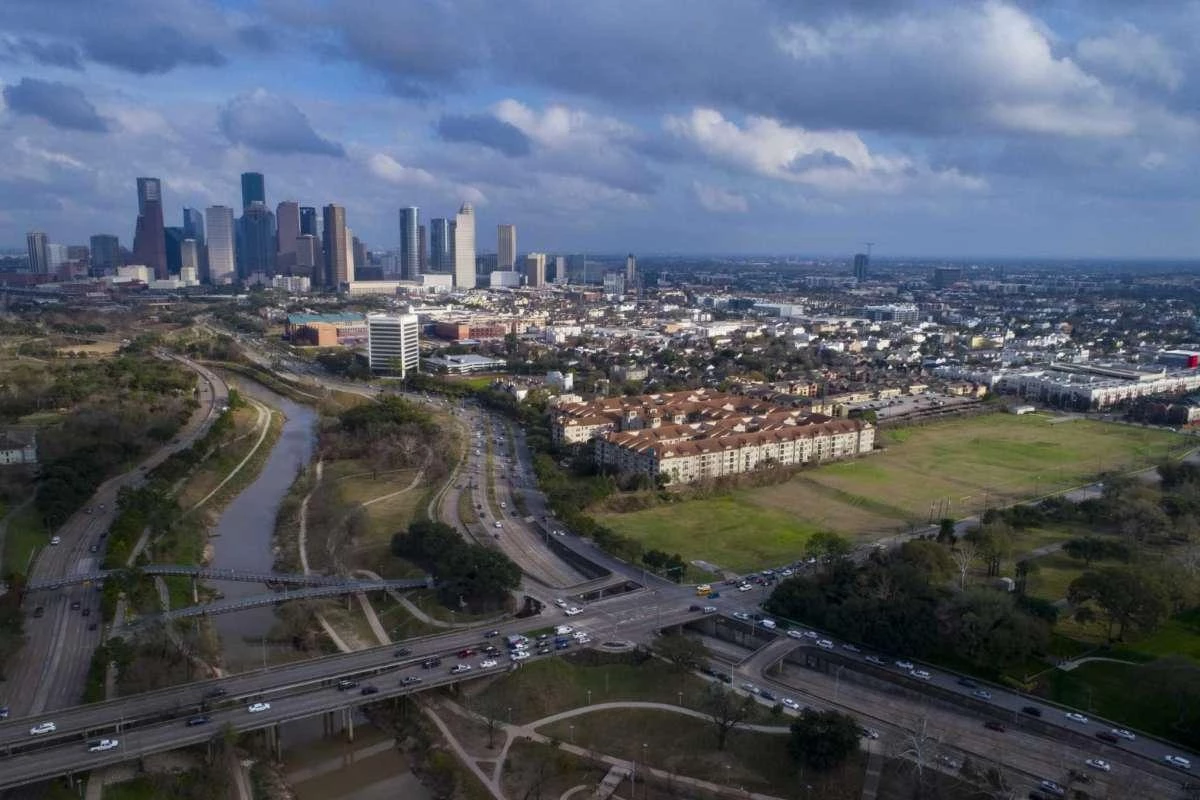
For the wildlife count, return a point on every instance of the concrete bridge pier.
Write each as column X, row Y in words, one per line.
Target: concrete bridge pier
column 195, row 591
column 275, row 741
column 348, row 714
column 327, row 724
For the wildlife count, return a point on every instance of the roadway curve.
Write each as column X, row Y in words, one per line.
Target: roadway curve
column 50, row 670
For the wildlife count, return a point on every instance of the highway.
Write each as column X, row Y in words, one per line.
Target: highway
column 50, row 670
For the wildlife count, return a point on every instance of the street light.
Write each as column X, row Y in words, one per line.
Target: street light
column 572, row 727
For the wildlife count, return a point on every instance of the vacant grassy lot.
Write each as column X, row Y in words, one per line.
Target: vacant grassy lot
column 1110, row 690
column 25, row 535
column 950, row 468
column 546, row 687
column 756, row 762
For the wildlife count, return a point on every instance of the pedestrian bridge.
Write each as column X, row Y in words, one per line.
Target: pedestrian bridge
column 201, row 573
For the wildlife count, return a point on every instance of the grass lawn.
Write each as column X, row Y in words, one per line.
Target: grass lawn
column 25, row 534
column 687, row 746
column 950, row 468
column 732, row 531
column 541, row 688
column 1111, row 690
column 1178, row 636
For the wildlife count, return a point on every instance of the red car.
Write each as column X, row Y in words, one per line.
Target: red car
column 466, row 652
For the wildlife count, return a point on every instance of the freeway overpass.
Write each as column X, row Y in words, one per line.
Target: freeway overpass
column 189, row 571
column 154, row 722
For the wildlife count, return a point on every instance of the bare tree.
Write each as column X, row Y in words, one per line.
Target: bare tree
column 965, row 555
column 727, row 709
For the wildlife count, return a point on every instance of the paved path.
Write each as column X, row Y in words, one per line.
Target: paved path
column 1067, row 666
column 263, row 421
column 302, row 544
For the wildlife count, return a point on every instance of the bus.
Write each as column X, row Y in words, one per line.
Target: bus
column 703, row 590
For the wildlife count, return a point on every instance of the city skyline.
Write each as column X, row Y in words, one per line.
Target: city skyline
column 934, row 129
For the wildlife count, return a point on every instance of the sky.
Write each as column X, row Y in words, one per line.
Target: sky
column 956, row 129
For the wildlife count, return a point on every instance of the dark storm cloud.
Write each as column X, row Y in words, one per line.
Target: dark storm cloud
column 48, row 53
column 271, row 124
column 150, row 51
column 486, row 130
column 61, row 105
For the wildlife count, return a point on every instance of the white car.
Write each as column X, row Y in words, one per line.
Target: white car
column 795, row 634
column 920, row 673
column 560, row 603
column 503, row 504
column 1178, row 761
column 750, row 687
column 1100, row 764
column 583, row 640
column 849, row 648
column 487, row 663
column 55, row 540
column 573, row 610
column 1124, row 734
column 1076, row 717
column 102, row 745
column 790, row 703
column 824, row 644
column 255, row 708
column 811, row 635
column 43, row 727
column 498, row 525
column 519, row 655
column 745, row 587
column 579, row 634
column 904, row 665
column 563, row 630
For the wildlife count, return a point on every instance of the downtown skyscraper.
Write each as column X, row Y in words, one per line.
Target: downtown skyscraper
column 37, row 245
column 410, row 244
column 506, row 247
column 254, row 189
column 337, row 248
column 222, row 253
column 287, row 231
column 106, row 254
column 464, row 247
column 441, row 245
column 149, row 239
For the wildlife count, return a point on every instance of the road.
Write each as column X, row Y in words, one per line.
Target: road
column 50, row 670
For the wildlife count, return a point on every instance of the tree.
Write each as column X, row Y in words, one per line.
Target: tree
column 727, row 709
column 964, row 555
column 684, row 652
column 946, row 531
column 1129, row 599
column 993, row 542
column 929, row 557
column 821, row 740
column 828, row 547
column 1095, row 548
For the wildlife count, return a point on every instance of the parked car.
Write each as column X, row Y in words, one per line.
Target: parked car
column 790, row 703
column 901, row 664
column 1178, row 761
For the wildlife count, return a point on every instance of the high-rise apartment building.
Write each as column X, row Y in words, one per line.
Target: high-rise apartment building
column 464, row 247
column 36, row 243
column 410, row 244
column 440, row 245
column 861, row 262
column 337, row 247
column 222, row 252
column 535, row 269
column 308, row 221
column 149, row 239
column 560, row 269
column 256, row 241
column 254, row 189
column 631, row 275
column 506, row 247
column 106, row 254
column 287, row 230
column 393, row 343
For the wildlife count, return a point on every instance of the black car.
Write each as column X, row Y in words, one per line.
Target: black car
column 199, row 719
column 967, row 682
column 725, row 677
column 430, row 663
column 409, row 680
column 402, row 651
column 766, row 695
column 87, row 612
column 92, row 626
column 211, row 693
column 491, row 634
column 368, row 690
column 1032, row 711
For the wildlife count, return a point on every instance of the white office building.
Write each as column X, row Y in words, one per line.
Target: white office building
column 464, row 248
column 393, row 343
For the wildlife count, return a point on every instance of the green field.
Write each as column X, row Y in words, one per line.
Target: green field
column 954, row 468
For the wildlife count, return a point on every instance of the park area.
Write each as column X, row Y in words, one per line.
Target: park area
column 947, row 469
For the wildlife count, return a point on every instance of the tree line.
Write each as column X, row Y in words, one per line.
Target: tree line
column 469, row 575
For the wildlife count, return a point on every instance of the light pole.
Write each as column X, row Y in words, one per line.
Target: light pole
column 589, row 697
column 510, row 715
column 572, row 727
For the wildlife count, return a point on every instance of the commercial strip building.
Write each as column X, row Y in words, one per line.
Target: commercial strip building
column 326, row 330
column 683, row 437
column 464, row 364
column 393, row 344
column 1083, row 387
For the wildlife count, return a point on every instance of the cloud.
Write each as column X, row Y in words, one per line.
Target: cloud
column 716, row 199
column 389, row 169
column 271, row 124
column 486, row 130
column 833, row 160
column 1128, row 52
column 57, row 103
column 48, row 53
column 150, row 51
